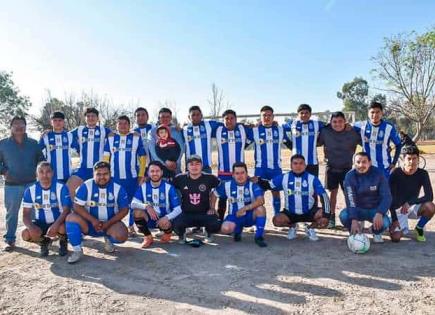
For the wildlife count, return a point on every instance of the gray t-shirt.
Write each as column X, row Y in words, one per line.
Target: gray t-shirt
column 339, row 147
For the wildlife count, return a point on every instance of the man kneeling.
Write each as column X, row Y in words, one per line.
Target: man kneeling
column 245, row 201
column 155, row 204
column 99, row 206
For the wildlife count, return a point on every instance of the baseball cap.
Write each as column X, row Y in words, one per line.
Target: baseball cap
column 194, row 157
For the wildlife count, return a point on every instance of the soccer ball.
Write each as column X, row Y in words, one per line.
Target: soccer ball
column 358, row 243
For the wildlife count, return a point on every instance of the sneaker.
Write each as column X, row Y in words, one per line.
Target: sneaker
column 311, row 233
column 419, row 234
column 147, row 241
column 251, row 229
column 44, row 243
column 331, row 224
column 291, row 235
column 10, row 246
column 63, row 245
column 237, row 237
column 159, row 234
column 377, row 238
column 182, row 240
column 166, row 238
column 108, row 245
column 75, row 257
column 260, row 241
column 131, row 232
column 209, row 238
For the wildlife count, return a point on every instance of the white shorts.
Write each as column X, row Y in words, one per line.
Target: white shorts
column 403, row 218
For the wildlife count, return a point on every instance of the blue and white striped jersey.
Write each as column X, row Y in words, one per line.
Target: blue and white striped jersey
column 238, row 195
column 300, row 191
column 47, row 204
column 103, row 203
column 89, row 142
column 57, row 149
column 144, row 135
column 304, row 138
column 376, row 141
column 198, row 140
column 163, row 198
column 124, row 152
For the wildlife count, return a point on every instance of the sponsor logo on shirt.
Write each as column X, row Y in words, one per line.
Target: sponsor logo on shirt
column 195, row 198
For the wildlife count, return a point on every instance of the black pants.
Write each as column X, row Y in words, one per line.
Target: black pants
column 222, row 208
column 313, row 169
column 185, row 220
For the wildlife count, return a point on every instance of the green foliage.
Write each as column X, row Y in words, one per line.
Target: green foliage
column 355, row 97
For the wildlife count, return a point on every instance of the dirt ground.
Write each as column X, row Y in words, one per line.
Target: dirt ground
column 294, row 277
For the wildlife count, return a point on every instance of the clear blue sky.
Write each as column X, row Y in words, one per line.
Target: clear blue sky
column 280, row 53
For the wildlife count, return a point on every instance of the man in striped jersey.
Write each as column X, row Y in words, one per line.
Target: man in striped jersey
column 267, row 138
column 245, row 205
column 155, row 204
column 377, row 135
column 45, row 207
column 56, row 146
column 300, row 192
column 231, row 140
column 197, row 137
column 88, row 141
column 125, row 152
column 143, row 127
column 99, row 207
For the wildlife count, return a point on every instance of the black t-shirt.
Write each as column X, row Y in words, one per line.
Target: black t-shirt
column 195, row 193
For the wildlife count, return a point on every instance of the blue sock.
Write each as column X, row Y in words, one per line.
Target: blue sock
column 238, row 229
column 276, row 205
column 260, row 222
column 422, row 222
column 131, row 218
column 113, row 240
column 74, row 233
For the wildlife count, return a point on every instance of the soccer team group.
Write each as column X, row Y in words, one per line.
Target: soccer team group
column 137, row 173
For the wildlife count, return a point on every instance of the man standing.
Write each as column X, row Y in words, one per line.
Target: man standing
column 406, row 183
column 143, row 127
column 19, row 156
column 368, row 197
column 339, row 146
column 195, row 188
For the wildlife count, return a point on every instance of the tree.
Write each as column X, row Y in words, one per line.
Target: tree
column 355, row 97
column 11, row 102
column 217, row 101
column 406, row 66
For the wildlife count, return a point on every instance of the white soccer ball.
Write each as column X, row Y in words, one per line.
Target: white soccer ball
column 358, row 243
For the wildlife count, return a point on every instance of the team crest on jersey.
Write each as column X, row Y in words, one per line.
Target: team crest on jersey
column 304, row 183
column 296, row 132
column 113, row 149
column 237, row 133
column 246, row 191
column 260, row 141
column 275, row 133
column 289, row 192
column 97, row 133
column 83, row 139
column 202, row 188
column 202, row 128
column 111, row 196
column 92, row 203
column 128, row 141
column 366, row 139
column 189, row 138
column 37, row 206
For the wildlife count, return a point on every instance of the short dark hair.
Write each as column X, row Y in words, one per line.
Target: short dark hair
column 304, row 107
column 338, row 115
column 156, row 163
column 165, row 110
column 240, row 164
column 297, row 156
column 410, row 150
column 57, row 114
column 43, row 164
column 17, row 118
column 265, row 108
column 362, row 154
column 141, row 109
column 101, row 164
column 124, row 117
column 91, row 110
column 376, row 104
column 194, row 107
column 229, row 112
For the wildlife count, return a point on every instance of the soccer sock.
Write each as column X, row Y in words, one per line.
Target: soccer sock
column 276, row 204
column 131, row 218
column 74, row 234
column 141, row 224
column 422, row 222
column 260, row 222
column 238, row 229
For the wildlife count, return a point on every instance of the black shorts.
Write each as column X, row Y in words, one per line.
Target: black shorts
column 335, row 177
column 306, row 217
column 313, row 169
column 42, row 225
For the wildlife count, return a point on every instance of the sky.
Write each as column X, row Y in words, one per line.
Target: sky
column 279, row 53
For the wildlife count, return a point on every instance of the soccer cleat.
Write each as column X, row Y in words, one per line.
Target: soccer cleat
column 75, row 257
column 377, row 238
column 311, row 233
column 166, row 238
column 260, row 241
column 63, row 245
column 44, row 243
column 419, row 234
column 331, row 224
column 237, row 237
column 108, row 245
column 147, row 241
column 291, row 235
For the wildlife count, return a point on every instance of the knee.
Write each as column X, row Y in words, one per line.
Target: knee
column 344, row 217
column 280, row 220
column 25, row 235
column 395, row 236
column 120, row 233
column 260, row 211
column 61, row 229
column 139, row 214
column 428, row 209
column 227, row 228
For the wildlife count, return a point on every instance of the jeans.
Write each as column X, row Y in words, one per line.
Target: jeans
column 363, row 215
column 13, row 198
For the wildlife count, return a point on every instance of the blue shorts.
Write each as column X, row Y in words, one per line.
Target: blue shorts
column 83, row 173
column 92, row 232
column 267, row 173
column 130, row 186
column 246, row 221
column 42, row 225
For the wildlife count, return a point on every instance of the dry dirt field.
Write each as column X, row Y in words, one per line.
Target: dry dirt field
column 291, row 277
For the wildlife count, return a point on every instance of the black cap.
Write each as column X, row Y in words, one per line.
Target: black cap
column 57, row 115
column 194, row 157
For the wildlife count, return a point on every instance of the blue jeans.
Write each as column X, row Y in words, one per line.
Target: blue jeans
column 13, row 198
column 363, row 215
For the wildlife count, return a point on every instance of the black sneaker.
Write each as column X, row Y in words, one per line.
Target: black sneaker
column 260, row 242
column 237, row 237
column 44, row 243
column 63, row 245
